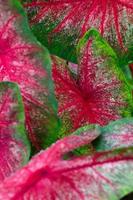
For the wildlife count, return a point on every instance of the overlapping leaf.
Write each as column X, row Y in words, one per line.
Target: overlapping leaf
column 68, row 20
column 101, row 176
column 14, row 145
column 115, row 135
column 99, row 92
column 25, row 62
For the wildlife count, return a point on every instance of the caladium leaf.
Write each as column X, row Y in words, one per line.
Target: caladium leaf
column 47, row 176
column 14, row 145
column 99, row 92
column 43, row 122
column 65, row 21
column 24, row 61
column 117, row 134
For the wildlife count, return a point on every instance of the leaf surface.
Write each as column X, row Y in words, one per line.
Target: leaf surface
column 115, row 135
column 65, row 21
column 24, row 61
column 99, row 92
column 14, row 145
column 47, row 176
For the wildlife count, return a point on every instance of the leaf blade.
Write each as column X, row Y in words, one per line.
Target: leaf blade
column 115, row 135
column 99, row 92
column 67, row 22
column 15, row 147
column 27, row 63
column 92, row 177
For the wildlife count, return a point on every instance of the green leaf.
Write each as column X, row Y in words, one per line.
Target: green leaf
column 56, row 44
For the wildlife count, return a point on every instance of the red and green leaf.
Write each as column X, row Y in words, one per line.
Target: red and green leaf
column 14, row 145
column 99, row 92
column 115, row 135
column 65, row 21
column 47, row 176
column 24, row 61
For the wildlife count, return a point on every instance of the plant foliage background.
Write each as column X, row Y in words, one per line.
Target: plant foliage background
column 66, row 104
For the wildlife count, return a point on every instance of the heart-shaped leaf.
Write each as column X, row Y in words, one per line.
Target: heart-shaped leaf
column 14, row 145
column 99, row 92
column 47, row 176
